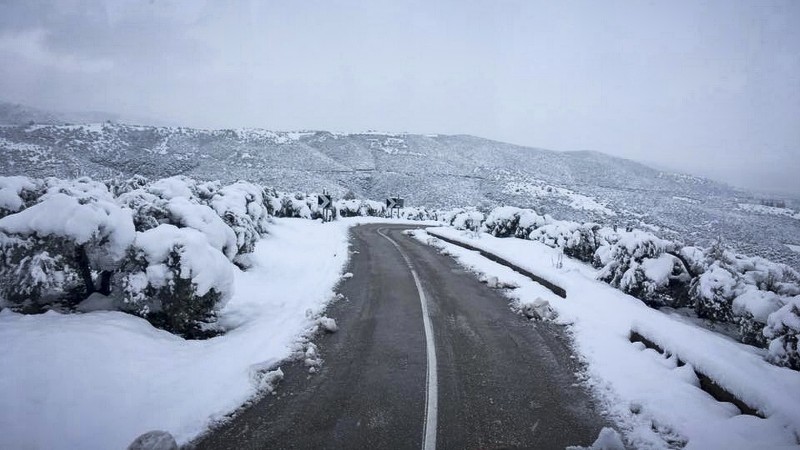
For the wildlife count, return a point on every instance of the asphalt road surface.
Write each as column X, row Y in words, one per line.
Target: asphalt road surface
column 424, row 358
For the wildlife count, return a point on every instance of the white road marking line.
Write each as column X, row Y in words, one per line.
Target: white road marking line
column 431, row 386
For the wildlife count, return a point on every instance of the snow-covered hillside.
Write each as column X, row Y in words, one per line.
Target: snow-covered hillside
column 430, row 170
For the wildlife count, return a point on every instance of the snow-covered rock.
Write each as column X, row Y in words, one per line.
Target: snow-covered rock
column 154, row 440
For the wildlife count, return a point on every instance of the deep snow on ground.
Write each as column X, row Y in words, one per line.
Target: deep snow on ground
column 98, row 380
column 655, row 402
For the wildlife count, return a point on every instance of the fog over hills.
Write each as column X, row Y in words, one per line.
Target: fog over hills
column 17, row 114
column 438, row 171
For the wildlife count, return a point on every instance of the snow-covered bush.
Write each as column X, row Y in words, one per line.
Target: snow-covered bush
column 35, row 273
column 175, row 279
column 17, row 193
column 150, row 211
column 75, row 227
column 507, row 221
column 294, row 206
column 356, row 208
column 465, row 219
column 118, row 187
column 416, row 213
column 735, row 288
column 783, row 330
column 751, row 311
column 639, row 264
column 584, row 242
column 713, row 293
column 242, row 207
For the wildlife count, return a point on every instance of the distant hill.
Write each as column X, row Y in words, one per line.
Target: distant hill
column 16, row 114
column 431, row 170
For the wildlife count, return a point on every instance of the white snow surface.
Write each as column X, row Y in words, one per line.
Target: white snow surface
column 626, row 376
column 540, row 189
column 63, row 215
column 10, row 188
column 203, row 264
column 772, row 210
column 100, row 379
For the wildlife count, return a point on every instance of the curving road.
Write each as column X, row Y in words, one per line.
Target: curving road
column 468, row 374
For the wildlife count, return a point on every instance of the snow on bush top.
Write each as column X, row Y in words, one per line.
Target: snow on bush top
column 10, row 190
column 204, row 265
column 177, row 186
column 641, row 244
column 759, row 304
column 203, row 219
column 65, row 216
column 659, row 269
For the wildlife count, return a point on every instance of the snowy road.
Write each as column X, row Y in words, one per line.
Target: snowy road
column 502, row 381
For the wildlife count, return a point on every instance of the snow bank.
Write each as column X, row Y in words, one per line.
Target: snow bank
column 656, row 401
column 99, row 380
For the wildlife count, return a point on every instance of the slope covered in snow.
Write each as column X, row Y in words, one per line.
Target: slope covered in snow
column 430, row 170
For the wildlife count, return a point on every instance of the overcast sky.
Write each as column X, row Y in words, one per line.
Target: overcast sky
column 706, row 87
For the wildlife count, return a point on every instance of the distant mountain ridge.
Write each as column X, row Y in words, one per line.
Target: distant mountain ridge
column 17, row 114
column 432, row 170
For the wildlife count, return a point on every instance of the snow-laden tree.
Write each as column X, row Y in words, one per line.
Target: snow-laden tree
column 175, row 279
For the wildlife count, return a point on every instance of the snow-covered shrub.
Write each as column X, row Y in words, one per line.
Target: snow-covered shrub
column 294, row 206
column 638, row 263
column 373, row 208
column 737, row 288
column 584, row 242
column 416, row 213
column 465, row 219
column 751, row 311
column 783, row 330
column 507, row 221
column 242, row 207
column 175, row 279
column 177, row 186
column 119, row 187
column 149, row 211
column 348, row 208
column 713, row 293
column 17, row 193
column 75, row 227
column 35, row 272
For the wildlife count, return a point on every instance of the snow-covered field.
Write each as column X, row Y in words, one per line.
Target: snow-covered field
column 656, row 402
column 772, row 210
column 100, row 379
column 539, row 189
